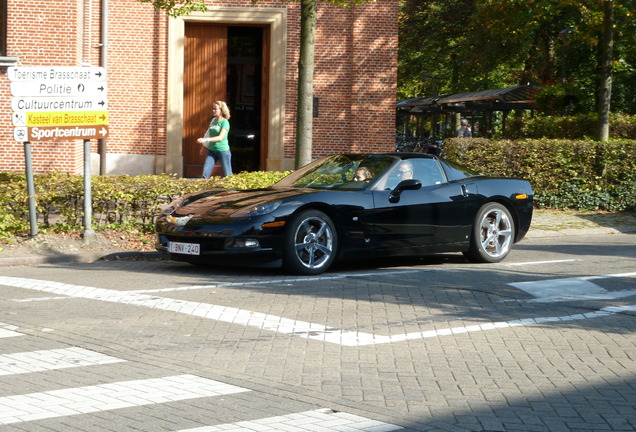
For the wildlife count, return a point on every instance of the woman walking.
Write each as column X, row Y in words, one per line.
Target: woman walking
column 215, row 141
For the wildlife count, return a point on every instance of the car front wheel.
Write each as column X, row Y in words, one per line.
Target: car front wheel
column 492, row 234
column 310, row 243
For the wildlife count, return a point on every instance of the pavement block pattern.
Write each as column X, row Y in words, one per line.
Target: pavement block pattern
column 158, row 338
column 82, row 400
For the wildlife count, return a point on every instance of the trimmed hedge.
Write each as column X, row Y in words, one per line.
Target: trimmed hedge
column 565, row 174
column 117, row 201
column 583, row 126
column 584, row 175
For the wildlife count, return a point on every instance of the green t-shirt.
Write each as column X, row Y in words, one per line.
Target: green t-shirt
column 214, row 130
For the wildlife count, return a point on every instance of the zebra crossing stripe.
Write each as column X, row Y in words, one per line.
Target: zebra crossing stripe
column 46, row 360
column 324, row 420
column 4, row 333
column 124, row 394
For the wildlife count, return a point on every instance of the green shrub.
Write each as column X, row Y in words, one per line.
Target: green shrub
column 585, row 175
column 576, row 174
column 117, row 201
column 583, row 126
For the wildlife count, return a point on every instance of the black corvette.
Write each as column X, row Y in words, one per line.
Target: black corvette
column 351, row 206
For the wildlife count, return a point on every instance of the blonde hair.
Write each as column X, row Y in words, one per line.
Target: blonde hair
column 365, row 173
column 225, row 111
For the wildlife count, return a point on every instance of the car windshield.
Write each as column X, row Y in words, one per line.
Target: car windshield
column 455, row 171
column 348, row 172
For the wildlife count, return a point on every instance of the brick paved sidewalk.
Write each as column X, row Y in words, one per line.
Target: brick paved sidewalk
column 552, row 223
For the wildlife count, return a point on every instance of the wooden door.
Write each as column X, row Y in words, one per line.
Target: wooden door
column 204, row 82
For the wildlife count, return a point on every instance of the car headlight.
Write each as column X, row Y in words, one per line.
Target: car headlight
column 179, row 221
column 173, row 206
column 257, row 210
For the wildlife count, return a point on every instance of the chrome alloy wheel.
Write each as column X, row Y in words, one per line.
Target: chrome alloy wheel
column 314, row 242
column 496, row 234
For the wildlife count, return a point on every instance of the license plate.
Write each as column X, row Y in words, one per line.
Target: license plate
column 184, row 248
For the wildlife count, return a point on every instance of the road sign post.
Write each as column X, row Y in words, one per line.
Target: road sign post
column 30, row 189
column 88, row 235
column 59, row 103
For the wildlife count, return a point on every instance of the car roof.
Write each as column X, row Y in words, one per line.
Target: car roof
column 401, row 155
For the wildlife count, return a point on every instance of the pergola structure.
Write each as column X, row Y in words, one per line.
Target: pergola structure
column 475, row 106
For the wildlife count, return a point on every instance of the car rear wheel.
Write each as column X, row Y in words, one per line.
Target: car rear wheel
column 492, row 235
column 310, row 243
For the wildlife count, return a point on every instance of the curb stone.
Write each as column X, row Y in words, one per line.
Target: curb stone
column 77, row 258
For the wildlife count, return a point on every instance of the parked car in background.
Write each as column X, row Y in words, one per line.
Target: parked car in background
column 407, row 204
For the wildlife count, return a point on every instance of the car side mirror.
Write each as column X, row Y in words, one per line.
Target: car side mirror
column 411, row 184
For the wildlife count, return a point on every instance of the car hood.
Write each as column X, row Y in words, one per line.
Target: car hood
column 228, row 202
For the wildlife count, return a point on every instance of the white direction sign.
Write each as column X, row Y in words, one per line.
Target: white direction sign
column 58, row 88
column 57, row 73
column 31, row 104
column 58, row 102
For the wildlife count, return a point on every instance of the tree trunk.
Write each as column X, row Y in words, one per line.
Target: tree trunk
column 304, row 118
column 605, row 86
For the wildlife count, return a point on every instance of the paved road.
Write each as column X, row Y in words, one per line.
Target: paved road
column 541, row 342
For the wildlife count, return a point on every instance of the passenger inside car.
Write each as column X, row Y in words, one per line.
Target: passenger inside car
column 362, row 174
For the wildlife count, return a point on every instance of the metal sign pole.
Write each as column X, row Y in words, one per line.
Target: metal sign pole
column 30, row 189
column 88, row 235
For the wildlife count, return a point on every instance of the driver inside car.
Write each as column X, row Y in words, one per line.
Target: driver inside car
column 405, row 171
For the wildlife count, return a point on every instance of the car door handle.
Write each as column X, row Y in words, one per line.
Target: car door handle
column 465, row 190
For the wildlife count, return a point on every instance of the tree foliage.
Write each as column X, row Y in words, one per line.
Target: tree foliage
column 176, row 8
column 471, row 45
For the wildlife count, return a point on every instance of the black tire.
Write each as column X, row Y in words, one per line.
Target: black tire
column 311, row 243
column 493, row 234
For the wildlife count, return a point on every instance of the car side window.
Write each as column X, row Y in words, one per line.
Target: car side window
column 428, row 171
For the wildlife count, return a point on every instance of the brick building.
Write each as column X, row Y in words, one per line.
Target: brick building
column 164, row 73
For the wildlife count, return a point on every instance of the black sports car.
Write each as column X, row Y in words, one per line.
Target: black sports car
column 351, row 206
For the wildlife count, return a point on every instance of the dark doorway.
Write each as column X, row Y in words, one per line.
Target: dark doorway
column 244, row 90
column 224, row 63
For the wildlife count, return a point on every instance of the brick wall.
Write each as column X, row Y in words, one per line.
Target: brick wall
column 355, row 79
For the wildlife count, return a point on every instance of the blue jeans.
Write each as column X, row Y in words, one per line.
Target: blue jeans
column 210, row 160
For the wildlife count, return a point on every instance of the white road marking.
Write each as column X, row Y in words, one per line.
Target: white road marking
column 324, row 420
column 268, row 322
column 621, row 309
column 569, row 289
column 45, row 360
column 124, row 394
column 7, row 330
column 529, row 263
column 36, row 299
column 8, row 333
